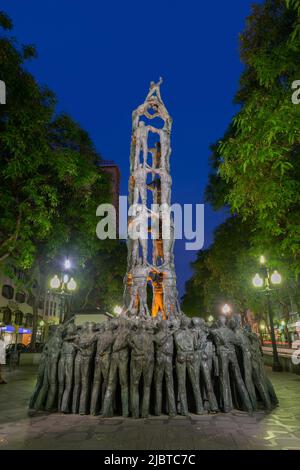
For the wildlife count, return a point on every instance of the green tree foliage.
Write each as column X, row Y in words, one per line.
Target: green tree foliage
column 259, row 158
column 222, row 273
column 194, row 302
column 101, row 279
column 26, row 203
column 51, row 182
column 255, row 171
column 217, row 188
column 49, row 174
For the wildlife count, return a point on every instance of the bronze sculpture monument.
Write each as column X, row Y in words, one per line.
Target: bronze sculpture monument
column 120, row 367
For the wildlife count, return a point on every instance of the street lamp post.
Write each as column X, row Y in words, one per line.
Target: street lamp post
column 63, row 286
column 268, row 280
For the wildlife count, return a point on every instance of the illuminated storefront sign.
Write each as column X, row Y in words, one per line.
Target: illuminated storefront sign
column 24, row 331
column 8, row 329
column 11, row 329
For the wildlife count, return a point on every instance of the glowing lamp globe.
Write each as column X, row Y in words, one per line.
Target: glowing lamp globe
column 257, row 281
column 276, row 278
column 226, row 309
column 55, row 282
column 71, row 284
column 67, row 264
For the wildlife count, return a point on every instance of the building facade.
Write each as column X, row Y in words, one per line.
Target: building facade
column 16, row 310
column 110, row 167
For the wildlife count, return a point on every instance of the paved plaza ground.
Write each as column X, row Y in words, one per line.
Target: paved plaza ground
column 277, row 430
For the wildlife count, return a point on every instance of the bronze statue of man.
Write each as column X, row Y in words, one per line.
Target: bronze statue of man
column 245, row 348
column 186, row 360
column 260, row 378
column 83, row 367
column 203, row 360
column 164, row 347
column 66, row 368
column 140, row 186
column 54, row 350
column 41, row 381
column 105, row 340
column 141, row 142
column 118, row 366
column 139, row 288
column 141, row 365
column 225, row 341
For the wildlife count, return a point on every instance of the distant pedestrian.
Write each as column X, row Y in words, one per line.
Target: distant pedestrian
column 2, row 358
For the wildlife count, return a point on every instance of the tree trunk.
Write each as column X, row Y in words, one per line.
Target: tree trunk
column 286, row 315
column 36, row 277
column 88, row 293
column 266, row 319
column 35, row 311
column 12, row 239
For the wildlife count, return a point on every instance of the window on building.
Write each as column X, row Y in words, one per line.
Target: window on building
column 7, row 291
column 18, row 273
column 21, row 275
column 20, row 297
column 29, row 319
column 31, row 300
column 18, row 317
column 7, row 315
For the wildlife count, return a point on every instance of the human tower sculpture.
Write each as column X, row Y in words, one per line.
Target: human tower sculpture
column 119, row 366
column 151, row 224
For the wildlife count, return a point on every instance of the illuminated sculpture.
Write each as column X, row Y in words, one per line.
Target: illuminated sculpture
column 150, row 183
column 98, row 369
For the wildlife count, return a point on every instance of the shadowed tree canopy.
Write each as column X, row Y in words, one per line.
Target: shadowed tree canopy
column 256, row 166
column 51, row 182
column 255, row 170
column 222, row 273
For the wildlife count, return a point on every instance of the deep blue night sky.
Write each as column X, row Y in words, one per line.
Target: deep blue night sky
column 99, row 57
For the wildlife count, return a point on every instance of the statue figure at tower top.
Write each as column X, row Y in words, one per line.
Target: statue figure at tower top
column 154, row 90
column 155, row 103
